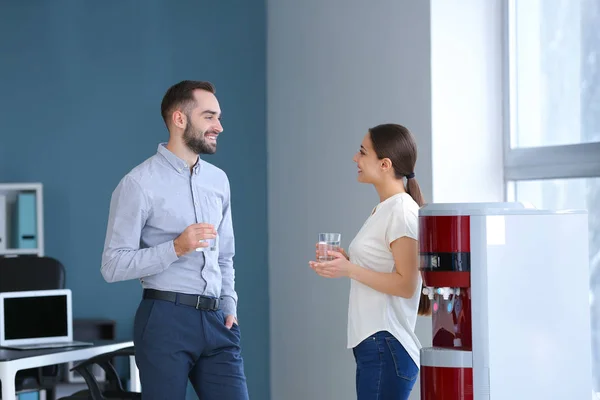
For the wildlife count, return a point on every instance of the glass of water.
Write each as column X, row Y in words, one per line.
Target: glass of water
column 327, row 242
column 212, row 245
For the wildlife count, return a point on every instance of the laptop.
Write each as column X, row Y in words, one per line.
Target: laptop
column 40, row 319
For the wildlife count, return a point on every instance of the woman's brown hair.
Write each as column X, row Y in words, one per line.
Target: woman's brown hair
column 397, row 143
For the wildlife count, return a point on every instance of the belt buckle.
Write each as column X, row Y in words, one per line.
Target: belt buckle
column 213, row 307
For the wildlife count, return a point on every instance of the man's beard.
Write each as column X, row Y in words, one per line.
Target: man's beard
column 196, row 141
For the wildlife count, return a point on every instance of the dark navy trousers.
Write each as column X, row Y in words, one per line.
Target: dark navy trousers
column 175, row 342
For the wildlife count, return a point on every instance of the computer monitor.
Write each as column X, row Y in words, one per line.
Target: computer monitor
column 35, row 317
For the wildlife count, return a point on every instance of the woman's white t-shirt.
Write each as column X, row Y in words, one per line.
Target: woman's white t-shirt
column 371, row 311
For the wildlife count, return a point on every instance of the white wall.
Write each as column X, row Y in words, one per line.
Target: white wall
column 334, row 69
column 466, row 68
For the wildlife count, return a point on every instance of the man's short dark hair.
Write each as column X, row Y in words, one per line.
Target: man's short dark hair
column 181, row 95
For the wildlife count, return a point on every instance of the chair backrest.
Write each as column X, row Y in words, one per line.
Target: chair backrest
column 31, row 273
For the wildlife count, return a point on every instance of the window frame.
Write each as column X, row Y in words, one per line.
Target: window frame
column 536, row 163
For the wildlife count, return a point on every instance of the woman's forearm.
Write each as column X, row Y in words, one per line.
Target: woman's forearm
column 391, row 283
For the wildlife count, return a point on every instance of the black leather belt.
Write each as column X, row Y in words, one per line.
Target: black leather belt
column 198, row 302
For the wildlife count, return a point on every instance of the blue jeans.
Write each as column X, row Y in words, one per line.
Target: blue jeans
column 175, row 342
column 384, row 370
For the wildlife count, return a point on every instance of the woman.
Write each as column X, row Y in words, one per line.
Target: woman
column 385, row 291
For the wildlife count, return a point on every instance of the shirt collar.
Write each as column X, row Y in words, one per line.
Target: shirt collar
column 176, row 162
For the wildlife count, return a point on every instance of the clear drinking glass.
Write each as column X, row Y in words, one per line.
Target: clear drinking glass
column 212, row 245
column 328, row 242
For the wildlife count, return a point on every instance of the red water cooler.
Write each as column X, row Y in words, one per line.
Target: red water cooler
column 483, row 264
column 447, row 367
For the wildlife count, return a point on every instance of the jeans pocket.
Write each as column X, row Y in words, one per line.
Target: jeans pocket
column 368, row 353
column 403, row 363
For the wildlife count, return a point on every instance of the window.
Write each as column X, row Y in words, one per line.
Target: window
column 552, row 140
column 555, row 72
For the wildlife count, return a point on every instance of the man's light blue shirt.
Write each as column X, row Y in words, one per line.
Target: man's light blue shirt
column 150, row 207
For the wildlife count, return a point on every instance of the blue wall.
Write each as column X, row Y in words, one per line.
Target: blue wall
column 80, row 91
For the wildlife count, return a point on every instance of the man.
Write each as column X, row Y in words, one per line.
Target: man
column 170, row 226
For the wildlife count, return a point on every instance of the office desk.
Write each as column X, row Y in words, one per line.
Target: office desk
column 12, row 361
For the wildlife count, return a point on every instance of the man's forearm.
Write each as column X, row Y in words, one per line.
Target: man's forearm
column 226, row 254
column 124, row 264
column 228, row 294
column 229, row 305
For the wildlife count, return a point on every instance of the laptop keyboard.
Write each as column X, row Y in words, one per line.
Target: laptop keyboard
column 50, row 345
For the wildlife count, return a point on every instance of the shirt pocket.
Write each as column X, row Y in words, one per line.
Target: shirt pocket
column 214, row 209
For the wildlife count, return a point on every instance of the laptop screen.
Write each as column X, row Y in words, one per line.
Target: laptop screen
column 35, row 317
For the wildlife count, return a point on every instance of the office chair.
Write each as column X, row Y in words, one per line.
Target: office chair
column 114, row 389
column 33, row 273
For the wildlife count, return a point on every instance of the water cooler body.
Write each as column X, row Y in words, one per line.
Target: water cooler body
column 509, row 286
column 446, row 369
